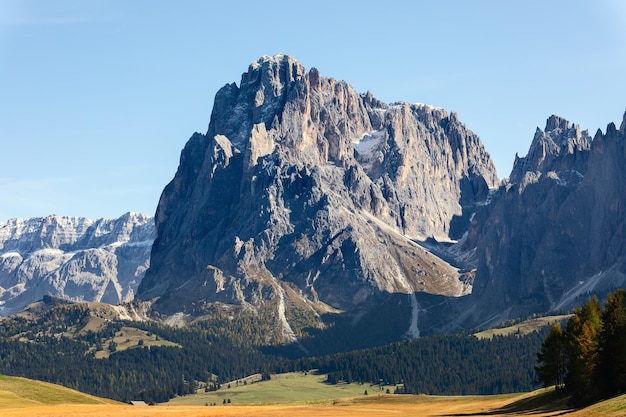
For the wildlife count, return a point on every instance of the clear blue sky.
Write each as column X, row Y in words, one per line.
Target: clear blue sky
column 97, row 98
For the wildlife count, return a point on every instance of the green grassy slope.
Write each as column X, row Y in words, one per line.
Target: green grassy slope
column 22, row 392
column 290, row 388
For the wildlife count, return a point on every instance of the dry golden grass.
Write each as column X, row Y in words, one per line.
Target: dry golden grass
column 20, row 397
column 383, row 408
column 539, row 404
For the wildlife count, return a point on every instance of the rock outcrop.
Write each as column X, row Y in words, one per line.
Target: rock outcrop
column 555, row 231
column 73, row 257
column 306, row 197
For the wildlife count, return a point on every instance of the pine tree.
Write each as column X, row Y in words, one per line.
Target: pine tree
column 552, row 359
column 612, row 369
column 583, row 332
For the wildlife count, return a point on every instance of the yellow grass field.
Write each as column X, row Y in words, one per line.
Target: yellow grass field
column 21, row 397
column 404, row 405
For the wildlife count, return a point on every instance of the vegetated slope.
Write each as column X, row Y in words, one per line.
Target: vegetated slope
column 445, row 365
column 22, row 392
column 60, row 345
column 522, row 327
column 304, row 198
column 63, row 345
column 289, row 388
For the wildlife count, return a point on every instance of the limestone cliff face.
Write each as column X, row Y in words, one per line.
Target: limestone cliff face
column 560, row 148
column 555, row 231
column 73, row 257
column 305, row 195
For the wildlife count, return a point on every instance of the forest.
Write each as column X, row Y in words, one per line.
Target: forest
column 42, row 350
column 588, row 357
column 205, row 357
column 439, row 365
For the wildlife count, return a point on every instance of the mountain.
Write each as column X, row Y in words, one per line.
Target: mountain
column 555, row 231
column 73, row 257
column 308, row 211
column 305, row 199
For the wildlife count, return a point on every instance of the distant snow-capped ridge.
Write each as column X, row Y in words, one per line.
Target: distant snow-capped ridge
column 73, row 257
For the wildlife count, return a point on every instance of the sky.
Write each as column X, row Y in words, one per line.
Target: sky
column 98, row 98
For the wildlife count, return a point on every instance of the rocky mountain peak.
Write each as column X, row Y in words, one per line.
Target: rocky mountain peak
column 560, row 147
column 279, row 104
column 557, row 236
column 555, row 122
column 269, row 74
column 63, row 232
column 305, row 196
column 27, row 235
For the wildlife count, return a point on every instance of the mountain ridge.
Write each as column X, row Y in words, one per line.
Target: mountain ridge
column 307, row 205
column 73, row 257
column 554, row 231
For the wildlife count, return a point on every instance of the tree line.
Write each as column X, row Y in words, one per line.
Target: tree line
column 438, row 365
column 588, row 357
column 213, row 352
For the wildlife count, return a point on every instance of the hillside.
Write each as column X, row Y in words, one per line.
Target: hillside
column 289, row 388
column 18, row 392
column 84, row 346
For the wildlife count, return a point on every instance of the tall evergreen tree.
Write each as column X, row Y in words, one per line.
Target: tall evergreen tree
column 612, row 371
column 552, row 360
column 595, row 346
column 583, row 332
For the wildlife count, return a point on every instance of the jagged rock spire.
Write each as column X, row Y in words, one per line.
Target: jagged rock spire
column 561, row 146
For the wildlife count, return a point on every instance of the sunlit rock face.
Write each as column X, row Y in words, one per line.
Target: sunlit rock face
column 305, row 197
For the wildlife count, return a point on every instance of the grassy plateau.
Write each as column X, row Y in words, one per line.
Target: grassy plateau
column 525, row 327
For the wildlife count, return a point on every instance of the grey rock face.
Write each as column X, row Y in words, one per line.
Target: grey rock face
column 559, row 148
column 73, row 257
column 307, row 196
column 555, row 232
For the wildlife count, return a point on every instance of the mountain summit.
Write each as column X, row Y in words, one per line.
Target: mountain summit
column 306, row 198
